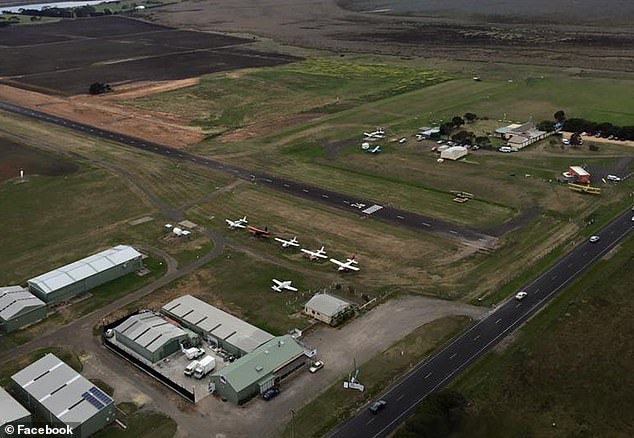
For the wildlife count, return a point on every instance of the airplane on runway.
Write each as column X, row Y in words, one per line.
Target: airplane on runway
column 259, row 232
column 314, row 255
column 239, row 223
column 287, row 243
column 375, row 150
column 280, row 286
column 348, row 265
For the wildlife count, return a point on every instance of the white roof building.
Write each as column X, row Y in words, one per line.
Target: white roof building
column 10, row 410
column 16, row 300
column 216, row 324
column 326, row 308
column 454, row 153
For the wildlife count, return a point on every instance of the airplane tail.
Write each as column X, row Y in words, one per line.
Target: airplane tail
column 322, row 249
column 244, row 219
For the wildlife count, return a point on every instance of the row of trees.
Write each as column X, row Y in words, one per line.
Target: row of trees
column 446, row 128
column 605, row 129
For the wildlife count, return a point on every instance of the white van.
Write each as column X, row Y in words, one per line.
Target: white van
column 505, row 149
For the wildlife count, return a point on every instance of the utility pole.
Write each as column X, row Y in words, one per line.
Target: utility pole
column 292, row 423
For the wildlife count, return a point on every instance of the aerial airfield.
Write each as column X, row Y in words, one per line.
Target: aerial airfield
column 223, row 228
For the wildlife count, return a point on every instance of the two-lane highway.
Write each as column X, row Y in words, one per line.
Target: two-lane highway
column 441, row 368
column 360, row 206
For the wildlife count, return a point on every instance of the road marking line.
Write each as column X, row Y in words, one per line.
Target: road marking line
column 517, row 305
column 304, row 190
column 452, row 356
column 453, row 232
column 324, row 196
column 400, row 397
column 553, row 277
column 371, row 420
column 426, row 224
column 428, row 374
column 498, row 320
column 476, row 338
column 286, row 185
column 400, row 217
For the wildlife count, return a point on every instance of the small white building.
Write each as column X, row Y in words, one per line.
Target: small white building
column 327, row 308
column 454, row 153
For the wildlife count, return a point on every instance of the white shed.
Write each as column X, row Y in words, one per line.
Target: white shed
column 453, row 153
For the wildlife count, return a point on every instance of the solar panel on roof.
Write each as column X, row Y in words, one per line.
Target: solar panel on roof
column 92, row 400
column 101, row 396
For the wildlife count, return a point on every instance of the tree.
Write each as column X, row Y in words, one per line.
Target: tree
column 446, row 128
column 483, row 141
column 457, row 121
column 470, row 117
column 545, row 125
column 463, row 137
column 575, row 139
column 560, row 116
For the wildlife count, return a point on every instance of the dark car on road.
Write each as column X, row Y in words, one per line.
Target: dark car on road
column 377, row 406
column 270, row 393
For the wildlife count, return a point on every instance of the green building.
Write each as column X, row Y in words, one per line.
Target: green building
column 150, row 336
column 76, row 278
column 263, row 368
column 62, row 396
column 11, row 412
column 216, row 326
column 19, row 308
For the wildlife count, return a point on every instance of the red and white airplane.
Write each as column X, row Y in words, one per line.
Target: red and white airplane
column 348, row 265
column 314, row 255
column 259, row 232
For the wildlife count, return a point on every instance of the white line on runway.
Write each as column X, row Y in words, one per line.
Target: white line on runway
column 498, row 320
column 452, row 356
column 286, row 185
column 476, row 338
column 553, row 277
column 400, row 397
column 426, row 224
column 427, row 376
column 517, row 305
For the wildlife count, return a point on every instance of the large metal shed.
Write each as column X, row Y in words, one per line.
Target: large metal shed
column 19, row 308
column 63, row 396
column 78, row 277
column 216, row 326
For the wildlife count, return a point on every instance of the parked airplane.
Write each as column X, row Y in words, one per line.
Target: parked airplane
column 346, row 266
column 287, row 243
column 379, row 133
column 314, row 255
column 375, row 150
column 259, row 232
column 239, row 223
column 280, row 286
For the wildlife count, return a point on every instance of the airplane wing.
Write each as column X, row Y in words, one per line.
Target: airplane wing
column 338, row 263
column 280, row 240
column 277, row 282
column 351, row 267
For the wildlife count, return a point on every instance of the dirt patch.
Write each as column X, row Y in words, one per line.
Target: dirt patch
column 146, row 88
column 14, row 157
column 104, row 113
column 264, row 128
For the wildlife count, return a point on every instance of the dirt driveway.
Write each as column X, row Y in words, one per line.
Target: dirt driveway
column 362, row 339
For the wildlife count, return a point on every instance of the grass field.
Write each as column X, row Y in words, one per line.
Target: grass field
column 227, row 101
column 569, row 366
column 335, row 404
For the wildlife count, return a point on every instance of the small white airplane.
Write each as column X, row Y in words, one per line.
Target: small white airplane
column 375, row 150
column 240, row 223
column 280, row 286
column 287, row 243
column 379, row 133
column 348, row 265
column 314, row 255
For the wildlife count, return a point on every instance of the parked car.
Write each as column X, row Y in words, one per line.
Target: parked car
column 270, row 393
column 109, row 333
column 377, row 406
column 316, row 366
column 521, row 295
column 594, row 239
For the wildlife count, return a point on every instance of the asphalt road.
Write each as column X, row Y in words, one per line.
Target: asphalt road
column 437, row 371
column 363, row 207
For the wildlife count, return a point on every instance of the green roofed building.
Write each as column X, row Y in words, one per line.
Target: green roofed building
column 150, row 335
column 76, row 278
column 259, row 370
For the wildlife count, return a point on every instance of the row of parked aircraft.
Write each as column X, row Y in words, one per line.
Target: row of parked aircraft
column 374, row 135
column 318, row 254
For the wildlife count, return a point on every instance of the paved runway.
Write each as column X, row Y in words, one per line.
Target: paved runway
column 363, row 207
column 441, row 368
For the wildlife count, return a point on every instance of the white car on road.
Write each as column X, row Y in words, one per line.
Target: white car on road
column 521, row 295
column 594, row 239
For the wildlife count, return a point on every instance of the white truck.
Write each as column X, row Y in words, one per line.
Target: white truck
column 189, row 369
column 205, row 366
